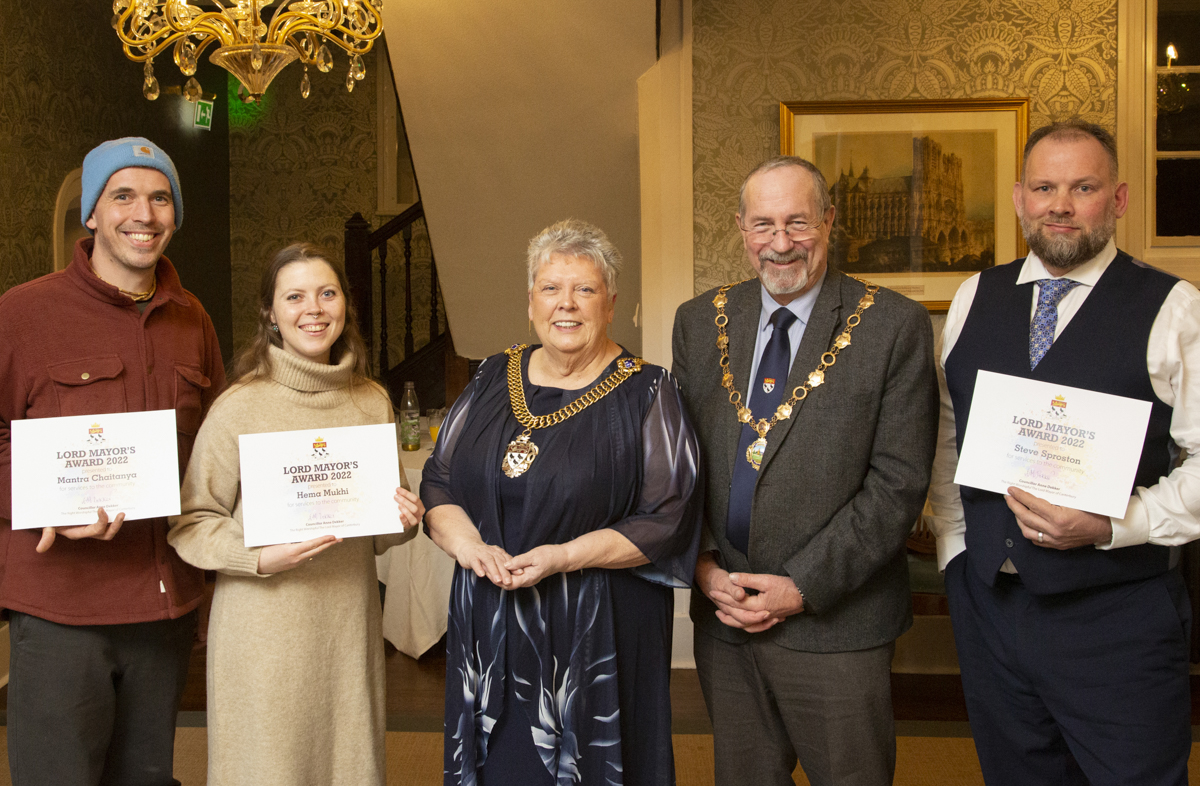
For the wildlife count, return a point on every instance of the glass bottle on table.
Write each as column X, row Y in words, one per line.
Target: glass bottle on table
column 410, row 419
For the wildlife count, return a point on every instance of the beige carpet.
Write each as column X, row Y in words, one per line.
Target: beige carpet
column 415, row 759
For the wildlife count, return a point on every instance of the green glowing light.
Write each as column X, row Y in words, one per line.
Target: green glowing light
column 241, row 114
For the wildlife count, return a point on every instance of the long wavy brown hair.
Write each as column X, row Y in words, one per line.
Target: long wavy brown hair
column 255, row 359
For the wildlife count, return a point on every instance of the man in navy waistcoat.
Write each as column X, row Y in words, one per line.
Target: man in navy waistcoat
column 1072, row 628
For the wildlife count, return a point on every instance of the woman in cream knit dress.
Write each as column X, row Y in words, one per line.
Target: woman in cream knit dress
column 295, row 647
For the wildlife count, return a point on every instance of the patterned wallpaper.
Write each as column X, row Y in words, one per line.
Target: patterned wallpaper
column 53, row 110
column 63, row 93
column 41, row 109
column 748, row 55
column 300, row 167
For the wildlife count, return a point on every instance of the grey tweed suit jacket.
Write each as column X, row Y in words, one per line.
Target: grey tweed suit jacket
column 842, row 481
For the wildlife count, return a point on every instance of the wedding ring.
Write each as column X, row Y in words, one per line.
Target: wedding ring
column 1041, row 536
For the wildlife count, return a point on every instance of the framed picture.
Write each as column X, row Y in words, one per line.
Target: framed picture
column 923, row 189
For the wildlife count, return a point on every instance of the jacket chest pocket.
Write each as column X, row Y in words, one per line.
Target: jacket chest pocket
column 93, row 386
column 190, row 384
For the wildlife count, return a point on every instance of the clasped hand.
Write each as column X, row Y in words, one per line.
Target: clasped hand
column 776, row 597
column 285, row 556
column 103, row 529
column 508, row 572
column 1055, row 527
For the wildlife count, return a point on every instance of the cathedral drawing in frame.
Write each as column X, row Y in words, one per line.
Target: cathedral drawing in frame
column 905, row 204
column 922, row 189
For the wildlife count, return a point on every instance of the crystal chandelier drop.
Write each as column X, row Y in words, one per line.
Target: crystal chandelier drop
column 249, row 46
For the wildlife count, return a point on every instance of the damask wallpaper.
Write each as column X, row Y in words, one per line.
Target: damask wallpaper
column 66, row 86
column 301, row 167
column 748, row 55
column 43, row 106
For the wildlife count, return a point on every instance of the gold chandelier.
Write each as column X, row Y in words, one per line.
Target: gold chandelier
column 250, row 47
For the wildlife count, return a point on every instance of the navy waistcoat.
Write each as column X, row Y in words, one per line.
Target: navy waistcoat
column 1103, row 348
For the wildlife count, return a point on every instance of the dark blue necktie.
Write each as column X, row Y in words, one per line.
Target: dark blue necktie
column 765, row 395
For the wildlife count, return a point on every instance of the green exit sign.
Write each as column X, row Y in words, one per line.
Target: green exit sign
column 204, row 114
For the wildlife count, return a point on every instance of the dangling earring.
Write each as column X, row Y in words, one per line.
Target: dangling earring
column 531, row 327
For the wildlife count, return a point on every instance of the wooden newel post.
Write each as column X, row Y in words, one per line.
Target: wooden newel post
column 358, row 272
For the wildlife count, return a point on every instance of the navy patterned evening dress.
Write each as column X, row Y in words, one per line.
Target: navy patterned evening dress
column 567, row 682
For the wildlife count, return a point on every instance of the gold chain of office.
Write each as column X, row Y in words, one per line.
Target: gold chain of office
column 522, row 451
column 762, row 426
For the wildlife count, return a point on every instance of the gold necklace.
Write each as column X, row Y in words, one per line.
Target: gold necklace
column 754, row 453
column 138, row 297
column 521, row 451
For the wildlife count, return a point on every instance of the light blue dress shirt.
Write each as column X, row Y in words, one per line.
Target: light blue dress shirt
column 802, row 307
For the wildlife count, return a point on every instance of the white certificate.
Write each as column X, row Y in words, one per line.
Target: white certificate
column 65, row 468
column 1073, row 447
column 298, row 485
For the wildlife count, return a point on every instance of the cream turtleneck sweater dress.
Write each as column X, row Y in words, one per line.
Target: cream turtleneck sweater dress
column 295, row 659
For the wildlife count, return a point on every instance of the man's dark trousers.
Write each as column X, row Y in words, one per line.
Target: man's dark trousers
column 104, row 690
column 1083, row 687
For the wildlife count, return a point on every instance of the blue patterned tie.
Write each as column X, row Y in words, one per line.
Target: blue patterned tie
column 764, row 396
column 1045, row 319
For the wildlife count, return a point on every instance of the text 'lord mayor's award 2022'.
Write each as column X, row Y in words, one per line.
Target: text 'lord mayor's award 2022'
column 298, row 485
column 1072, row 447
column 64, row 469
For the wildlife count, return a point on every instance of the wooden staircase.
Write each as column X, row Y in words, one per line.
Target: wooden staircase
column 438, row 372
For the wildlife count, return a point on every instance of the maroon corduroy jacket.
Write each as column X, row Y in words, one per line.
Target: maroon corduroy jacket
column 71, row 344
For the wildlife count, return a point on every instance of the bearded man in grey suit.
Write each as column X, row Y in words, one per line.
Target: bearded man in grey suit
column 813, row 486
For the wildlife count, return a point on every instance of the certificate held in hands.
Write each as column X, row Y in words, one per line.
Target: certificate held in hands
column 63, row 469
column 298, row 485
column 1072, row 447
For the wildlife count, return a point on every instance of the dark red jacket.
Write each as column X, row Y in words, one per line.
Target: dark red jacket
column 71, row 344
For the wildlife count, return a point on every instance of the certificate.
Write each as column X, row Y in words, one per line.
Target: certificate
column 65, row 468
column 298, row 485
column 1073, row 447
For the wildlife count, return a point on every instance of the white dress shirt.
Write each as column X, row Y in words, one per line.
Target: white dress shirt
column 1167, row 513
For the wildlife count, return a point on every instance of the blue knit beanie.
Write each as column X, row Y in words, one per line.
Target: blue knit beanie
column 117, row 154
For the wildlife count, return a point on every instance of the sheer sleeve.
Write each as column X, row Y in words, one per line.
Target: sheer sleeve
column 435, row 477
column 666, row 523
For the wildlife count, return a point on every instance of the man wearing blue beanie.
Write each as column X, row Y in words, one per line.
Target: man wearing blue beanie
column 102, row 617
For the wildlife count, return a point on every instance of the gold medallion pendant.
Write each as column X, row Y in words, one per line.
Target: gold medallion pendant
column 519, row 456
column 754, row 453
column 521, row 452
column 762, row 426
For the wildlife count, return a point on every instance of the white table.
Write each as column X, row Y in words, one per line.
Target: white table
column 417, row 575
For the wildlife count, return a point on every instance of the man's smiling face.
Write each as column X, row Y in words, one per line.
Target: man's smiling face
column 133, row 222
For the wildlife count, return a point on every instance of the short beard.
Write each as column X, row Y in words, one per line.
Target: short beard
column 1063, row 253
column 777, row 282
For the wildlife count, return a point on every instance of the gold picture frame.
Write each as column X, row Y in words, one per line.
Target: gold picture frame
column 919, row 224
